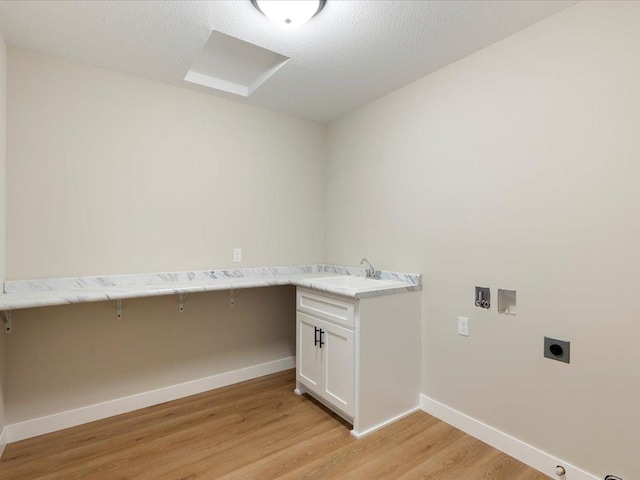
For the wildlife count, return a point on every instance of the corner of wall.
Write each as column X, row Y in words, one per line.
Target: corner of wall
column 3, row 162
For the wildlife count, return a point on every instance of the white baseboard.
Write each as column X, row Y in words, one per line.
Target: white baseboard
column 3, row 440
column 59, row 421
column 513, row 447
column 359, row 435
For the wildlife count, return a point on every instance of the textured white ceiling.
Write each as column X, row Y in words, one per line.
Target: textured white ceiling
column 349, row 54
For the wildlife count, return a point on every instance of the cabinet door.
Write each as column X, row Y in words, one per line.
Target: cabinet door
column 308, row 355
column 338, row 352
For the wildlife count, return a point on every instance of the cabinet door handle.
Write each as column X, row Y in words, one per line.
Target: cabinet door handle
column 316, row 330
column 321, row 341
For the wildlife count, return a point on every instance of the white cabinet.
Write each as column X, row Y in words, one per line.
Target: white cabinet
column 308, row 352
column 361, row 358
column 326, row 361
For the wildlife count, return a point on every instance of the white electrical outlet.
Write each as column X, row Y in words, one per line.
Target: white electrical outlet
column 463, row 326
column 237, row 254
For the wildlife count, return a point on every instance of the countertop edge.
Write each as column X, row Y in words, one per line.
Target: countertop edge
column 44, row 292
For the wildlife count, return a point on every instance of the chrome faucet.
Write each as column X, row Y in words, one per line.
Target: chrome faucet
column 370, row 272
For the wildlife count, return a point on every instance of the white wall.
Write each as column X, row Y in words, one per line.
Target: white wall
column 108, row 173
column 3, row 158
column 517, row 168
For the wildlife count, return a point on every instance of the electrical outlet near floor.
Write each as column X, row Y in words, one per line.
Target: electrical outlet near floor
column 237, row 254
column 463, row 326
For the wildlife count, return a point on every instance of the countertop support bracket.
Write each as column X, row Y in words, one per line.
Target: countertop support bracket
column 181, row 302
column 8, row 321
column 232, row 297
column 119, row 309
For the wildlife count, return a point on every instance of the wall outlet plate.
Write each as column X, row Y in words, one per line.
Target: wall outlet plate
column 557, row 349
column 237, row 254
column 463, row 326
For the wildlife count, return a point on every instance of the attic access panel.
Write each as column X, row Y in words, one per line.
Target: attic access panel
column 232, row 65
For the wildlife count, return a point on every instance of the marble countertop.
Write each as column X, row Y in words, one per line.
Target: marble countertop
column 62, row 291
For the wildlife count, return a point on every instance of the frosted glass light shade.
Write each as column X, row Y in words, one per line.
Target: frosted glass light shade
column 289, row 13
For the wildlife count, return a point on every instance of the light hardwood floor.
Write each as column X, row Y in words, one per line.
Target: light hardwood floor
column 257, row 429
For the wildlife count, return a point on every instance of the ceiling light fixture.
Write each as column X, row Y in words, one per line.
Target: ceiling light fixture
column 289, row 13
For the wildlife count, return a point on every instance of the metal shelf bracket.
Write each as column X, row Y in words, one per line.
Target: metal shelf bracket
column 8, row 321
column 181, row 302
column 119, row 309
column 232, row 297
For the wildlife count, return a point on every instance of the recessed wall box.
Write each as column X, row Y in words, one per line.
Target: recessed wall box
column 507, row 301
column 557, row 349
column 483, row 297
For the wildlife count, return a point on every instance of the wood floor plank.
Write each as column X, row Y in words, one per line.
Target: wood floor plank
column 255, row 430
